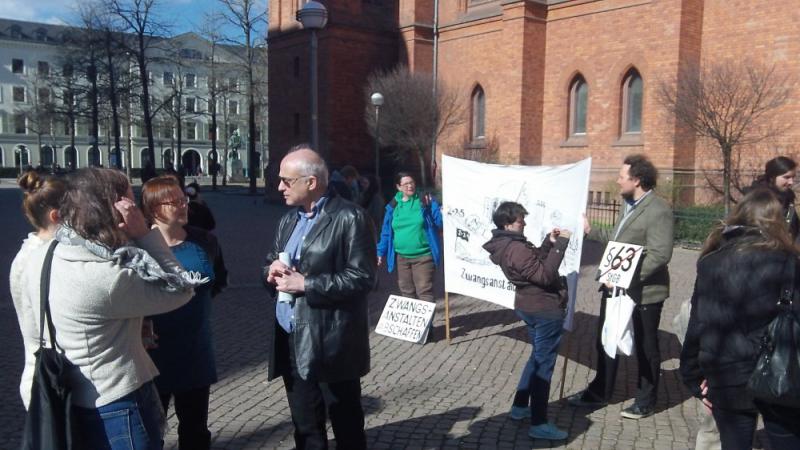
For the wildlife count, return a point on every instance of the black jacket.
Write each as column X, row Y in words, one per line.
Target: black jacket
column 533, row 271
column 331, row 334
column 735, row 296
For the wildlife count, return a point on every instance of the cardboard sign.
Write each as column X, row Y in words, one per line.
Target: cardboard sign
column 619, row 263
column 406, row 318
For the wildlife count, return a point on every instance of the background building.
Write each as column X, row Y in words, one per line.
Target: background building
column 545, row 81
column 36, row 127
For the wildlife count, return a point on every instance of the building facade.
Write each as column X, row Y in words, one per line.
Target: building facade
column 33, row 68
column 556, row 81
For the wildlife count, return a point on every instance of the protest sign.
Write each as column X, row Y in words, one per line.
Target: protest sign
column 406, row 318
column 554, row 196
column 619, row 263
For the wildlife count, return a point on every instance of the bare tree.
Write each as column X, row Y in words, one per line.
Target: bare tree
column 138, row 17
column 39, row 111
column 249, row 19
column 210, row 31
column 730, row 103
column 411, row 117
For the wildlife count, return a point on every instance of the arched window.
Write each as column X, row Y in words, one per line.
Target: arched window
column 168, row 159
column 93, row 157
column 578, row 105
column 632, row 95
column 478, row 128
column 22, row 157
column 144, row 157
column 71, row 158
column 46, row 156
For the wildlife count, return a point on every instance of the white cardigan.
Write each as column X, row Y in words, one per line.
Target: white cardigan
column 24, row 314
column 97, row 309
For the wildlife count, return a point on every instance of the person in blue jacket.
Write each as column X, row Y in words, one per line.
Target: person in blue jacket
column 409, row 239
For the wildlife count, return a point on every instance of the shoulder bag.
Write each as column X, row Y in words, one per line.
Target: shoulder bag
column 48, row 423
column 776, row 378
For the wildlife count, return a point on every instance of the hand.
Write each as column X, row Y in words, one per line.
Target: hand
column 566, row 234
column 587, row 227
column 554, row 235
column 380, row 261
column 293, row 283
column 133, row 223
column 705, row 400
column 277, row 270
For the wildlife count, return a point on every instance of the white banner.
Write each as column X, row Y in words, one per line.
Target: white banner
column 555, row 197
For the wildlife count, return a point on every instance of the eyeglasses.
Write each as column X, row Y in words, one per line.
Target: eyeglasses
column 408, row 184
column 289, row 182
column 179, row 203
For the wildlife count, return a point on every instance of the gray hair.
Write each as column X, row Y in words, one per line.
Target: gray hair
column 314, row 166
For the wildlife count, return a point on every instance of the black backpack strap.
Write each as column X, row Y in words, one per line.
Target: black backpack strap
column 44, row 296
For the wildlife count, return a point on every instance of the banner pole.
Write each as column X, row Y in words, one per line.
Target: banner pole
column 447, row 316
column 564, row 368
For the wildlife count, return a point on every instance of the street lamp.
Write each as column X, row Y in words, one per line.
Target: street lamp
column 313, row 16
column 377, row 100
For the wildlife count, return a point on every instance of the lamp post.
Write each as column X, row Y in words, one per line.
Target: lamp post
column 313, row 16
column 377, row 100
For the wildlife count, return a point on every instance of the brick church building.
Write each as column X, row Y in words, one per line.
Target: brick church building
column 544, row 81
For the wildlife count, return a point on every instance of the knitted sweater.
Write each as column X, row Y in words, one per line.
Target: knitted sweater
column 97, row 309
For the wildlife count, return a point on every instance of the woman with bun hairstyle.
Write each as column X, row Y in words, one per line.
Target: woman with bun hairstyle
column 184, row 350
column 42, row 195
column 108, row 272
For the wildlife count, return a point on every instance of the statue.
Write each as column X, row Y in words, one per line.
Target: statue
column 237, row 172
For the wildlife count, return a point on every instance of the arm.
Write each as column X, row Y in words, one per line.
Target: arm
column 358, row 275
column 130, row 296
column 436, row 214
column 220, row 271
column 659, row 243
column 690, row 370
column 542, row 272
column 386, row 232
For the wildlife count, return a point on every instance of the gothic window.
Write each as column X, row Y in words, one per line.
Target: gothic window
column 478, row 127
column 632, row 93
column 578, row 105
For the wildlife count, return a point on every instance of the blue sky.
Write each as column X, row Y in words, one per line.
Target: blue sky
column 184, row 15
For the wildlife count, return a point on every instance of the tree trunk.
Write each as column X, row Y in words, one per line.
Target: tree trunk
column 423, row 171
column 727, row 150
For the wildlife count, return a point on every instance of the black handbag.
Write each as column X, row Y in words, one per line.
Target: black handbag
column 48, row 423
column 776, row 378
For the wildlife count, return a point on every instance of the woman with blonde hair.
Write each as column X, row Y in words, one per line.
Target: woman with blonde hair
column 744, row 265
column 108, row 272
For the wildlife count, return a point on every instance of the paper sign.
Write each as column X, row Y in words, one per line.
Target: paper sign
column 406, row 318
column 618, row 263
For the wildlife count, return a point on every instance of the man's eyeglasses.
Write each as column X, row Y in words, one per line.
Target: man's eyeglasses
column 179, row 203
column 289, row 182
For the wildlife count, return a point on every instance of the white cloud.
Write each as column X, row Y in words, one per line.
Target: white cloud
column 49, row 11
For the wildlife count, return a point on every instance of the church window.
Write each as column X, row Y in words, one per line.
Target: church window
column 478, row 124
column 632, row 96
column 578, row 105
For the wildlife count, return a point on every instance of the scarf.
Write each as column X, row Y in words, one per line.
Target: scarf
column 136, row 259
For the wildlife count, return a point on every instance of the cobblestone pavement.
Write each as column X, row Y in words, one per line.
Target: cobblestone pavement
column 422, row 397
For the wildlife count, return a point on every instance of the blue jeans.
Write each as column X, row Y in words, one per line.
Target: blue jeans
column 134, row 422
column 534, row 384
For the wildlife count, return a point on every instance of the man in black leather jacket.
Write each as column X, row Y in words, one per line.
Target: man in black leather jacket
column 320, row 343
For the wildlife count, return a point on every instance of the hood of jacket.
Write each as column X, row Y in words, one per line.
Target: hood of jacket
column 500, row 240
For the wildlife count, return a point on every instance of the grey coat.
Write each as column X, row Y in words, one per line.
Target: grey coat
column 649, row 225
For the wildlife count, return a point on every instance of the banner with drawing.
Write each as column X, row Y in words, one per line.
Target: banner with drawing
column 554, row 196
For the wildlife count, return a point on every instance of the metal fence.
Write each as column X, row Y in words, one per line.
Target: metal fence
column 692, row 224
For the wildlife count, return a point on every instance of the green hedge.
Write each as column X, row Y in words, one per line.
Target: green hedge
column 694, row 223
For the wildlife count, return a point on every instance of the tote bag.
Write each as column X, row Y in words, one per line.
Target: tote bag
column 48, row 423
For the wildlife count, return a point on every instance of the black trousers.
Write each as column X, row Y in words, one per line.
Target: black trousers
column 311, row 401
column 191, row 407
column 645, row 335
